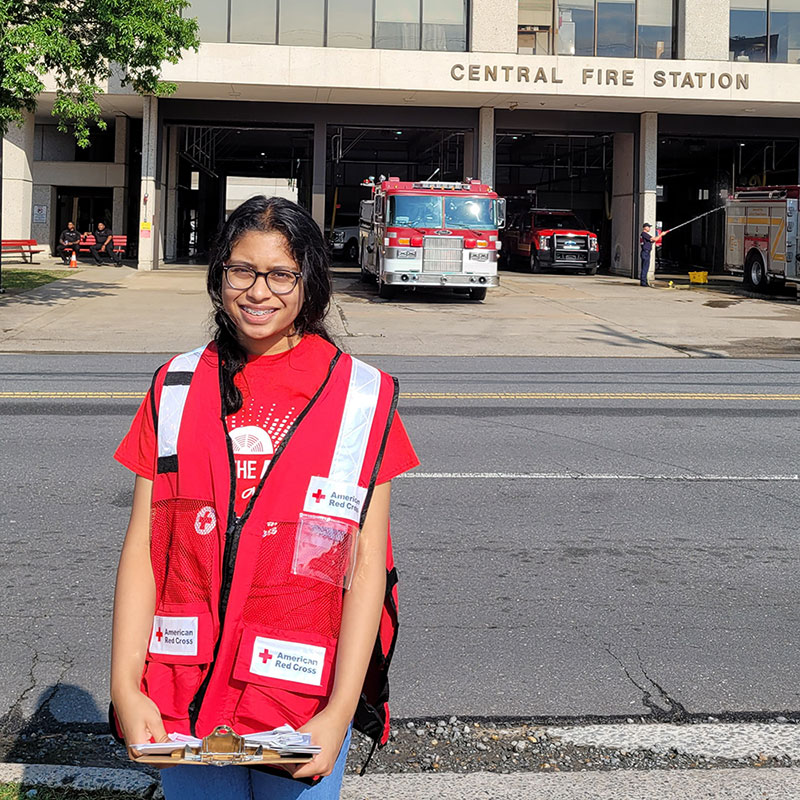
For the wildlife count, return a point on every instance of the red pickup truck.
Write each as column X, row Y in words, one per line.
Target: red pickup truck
column 549, row 238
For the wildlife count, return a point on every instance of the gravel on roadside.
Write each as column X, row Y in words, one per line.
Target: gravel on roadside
column 452, row 744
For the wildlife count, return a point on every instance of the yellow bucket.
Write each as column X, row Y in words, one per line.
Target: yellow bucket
column 698, row 277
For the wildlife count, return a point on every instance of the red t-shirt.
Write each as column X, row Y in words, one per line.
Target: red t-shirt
column 275, row 390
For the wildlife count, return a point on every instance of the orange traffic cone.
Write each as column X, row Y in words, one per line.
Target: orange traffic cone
column 73, row 261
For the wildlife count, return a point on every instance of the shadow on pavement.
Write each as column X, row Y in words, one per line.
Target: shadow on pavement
column 60, row 290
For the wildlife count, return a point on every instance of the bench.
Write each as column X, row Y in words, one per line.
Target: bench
column 120, row 243
column 26, row 248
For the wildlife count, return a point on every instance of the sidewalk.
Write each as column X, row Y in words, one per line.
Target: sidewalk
column 103, row 309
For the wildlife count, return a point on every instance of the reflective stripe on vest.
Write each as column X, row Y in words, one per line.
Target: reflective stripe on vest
column 359, row 411
column 170, row 409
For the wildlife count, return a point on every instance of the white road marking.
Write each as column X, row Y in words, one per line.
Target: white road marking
column 577, row 476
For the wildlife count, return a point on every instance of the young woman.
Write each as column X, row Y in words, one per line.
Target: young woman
column 253, row 577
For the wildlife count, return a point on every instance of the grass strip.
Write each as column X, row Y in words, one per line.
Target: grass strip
column 16, row 281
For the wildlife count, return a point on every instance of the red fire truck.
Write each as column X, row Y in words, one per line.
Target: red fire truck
column 430, row 233
column 550, row 238
column 762, row 235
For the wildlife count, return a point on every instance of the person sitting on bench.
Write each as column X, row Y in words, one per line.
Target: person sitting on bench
column 68, row 242
column 103, row 243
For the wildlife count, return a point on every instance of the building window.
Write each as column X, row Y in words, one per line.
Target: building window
column 655, row 24
column 253, row 21
column 444, row 25
column 439, row 25
column 397, row 24
column 765, row 30
column 350, row 23
column 535, row 27
column 612, row 28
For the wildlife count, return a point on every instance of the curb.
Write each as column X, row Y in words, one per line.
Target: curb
column 743, row 784
column 84, row 778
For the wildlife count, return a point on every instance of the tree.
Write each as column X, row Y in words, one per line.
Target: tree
column 80, row 43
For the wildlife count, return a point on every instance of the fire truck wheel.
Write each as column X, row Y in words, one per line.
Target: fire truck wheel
column 535, row 265
column 754, row 273
column 386, row 291
column 477, row 293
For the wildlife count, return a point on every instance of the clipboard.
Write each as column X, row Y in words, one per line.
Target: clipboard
column 222, row 746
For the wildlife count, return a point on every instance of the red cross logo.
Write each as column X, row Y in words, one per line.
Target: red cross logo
column 318, row 495
column 265, row 656
column 205, row 520
column 159, row 634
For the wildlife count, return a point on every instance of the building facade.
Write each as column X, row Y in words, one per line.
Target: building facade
column 624, row 110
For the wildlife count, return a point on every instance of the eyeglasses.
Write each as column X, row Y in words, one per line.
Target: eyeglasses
column 279, row 281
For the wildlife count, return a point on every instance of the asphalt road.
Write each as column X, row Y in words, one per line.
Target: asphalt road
column 584, row 537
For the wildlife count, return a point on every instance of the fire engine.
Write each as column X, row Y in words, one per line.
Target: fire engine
column 430, row 233
column 761, row 234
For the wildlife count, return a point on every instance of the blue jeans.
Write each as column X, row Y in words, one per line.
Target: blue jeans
column 190, row 782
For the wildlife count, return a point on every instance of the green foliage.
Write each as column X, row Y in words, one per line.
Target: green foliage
column 80, row 44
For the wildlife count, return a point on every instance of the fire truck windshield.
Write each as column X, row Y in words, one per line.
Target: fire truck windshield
column 415, row 211
column 558, row 220
column 469, row 212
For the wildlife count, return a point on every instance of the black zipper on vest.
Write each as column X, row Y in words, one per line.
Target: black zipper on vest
column 236, row 524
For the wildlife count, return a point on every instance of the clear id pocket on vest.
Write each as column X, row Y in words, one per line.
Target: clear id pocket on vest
column 325, row 549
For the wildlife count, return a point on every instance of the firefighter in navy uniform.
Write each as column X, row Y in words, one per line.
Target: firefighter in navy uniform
column 646, row 241
column 229, row 510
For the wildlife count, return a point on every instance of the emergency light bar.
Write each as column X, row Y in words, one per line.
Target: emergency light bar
column 445, row 185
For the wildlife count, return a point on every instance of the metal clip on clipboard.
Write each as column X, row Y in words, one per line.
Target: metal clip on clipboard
column 223, row 746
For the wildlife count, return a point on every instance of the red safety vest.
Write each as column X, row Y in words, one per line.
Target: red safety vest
column 238, row 639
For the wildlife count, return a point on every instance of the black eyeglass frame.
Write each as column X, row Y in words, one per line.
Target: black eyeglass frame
column 265, row 275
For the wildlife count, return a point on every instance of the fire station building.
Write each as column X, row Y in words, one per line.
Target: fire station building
column 625, row 111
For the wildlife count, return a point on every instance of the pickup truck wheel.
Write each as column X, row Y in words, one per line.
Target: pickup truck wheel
column 477, row 293
column 351, row 250
column 535, row 265
column 754, row 272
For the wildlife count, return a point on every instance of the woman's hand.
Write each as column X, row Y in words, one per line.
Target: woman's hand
column 139, row 719
column 327, row 730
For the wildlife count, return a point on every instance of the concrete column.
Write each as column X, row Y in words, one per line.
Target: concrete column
column 623, row 231
column 648, row 175
column 171, row 195
column 318, row 179
column 119, row 222
column 703, row 29
column 18, row 181
column 148, row 205
column 493, row 26
column 486, row 144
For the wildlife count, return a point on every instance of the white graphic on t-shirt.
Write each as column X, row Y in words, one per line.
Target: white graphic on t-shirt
column 255, row 434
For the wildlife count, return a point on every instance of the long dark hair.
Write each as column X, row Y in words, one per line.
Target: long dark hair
column 307, row 247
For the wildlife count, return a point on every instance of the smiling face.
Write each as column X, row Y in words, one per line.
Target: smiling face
column 265, row 321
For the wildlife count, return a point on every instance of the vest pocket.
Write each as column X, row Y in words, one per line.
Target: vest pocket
column 180, row 651
column 287, row 675
column 184, row 549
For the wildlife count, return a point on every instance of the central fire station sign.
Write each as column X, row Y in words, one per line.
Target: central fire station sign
column 521, row 74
